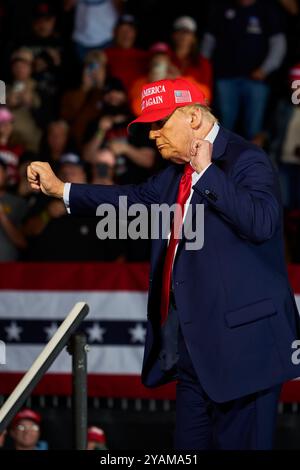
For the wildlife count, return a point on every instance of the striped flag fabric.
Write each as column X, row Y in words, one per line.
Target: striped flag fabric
column 36, row 297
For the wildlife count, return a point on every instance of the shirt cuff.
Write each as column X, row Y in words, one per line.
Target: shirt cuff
column 66, row 196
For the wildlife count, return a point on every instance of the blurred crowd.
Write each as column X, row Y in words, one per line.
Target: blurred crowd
column 74, row 70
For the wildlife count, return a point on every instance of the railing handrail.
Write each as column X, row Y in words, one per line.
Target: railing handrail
column 42, row 363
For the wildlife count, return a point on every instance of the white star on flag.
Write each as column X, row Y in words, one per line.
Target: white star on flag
column 50, row 330
column 95, row 333
column 13, row 331
column 138, row 333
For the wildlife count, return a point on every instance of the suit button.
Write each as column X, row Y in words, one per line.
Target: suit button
column 211, row 195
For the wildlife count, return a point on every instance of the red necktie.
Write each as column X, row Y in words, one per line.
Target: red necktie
column 183, row 194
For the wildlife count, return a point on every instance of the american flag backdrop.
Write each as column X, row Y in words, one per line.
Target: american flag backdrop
column 36, row 297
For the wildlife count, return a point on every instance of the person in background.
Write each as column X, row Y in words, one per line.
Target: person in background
column 284, row 141
column 160, row 67
column 96, row 439
column 24, row 100
column 46, row 46
column 56, row 141
column 125, row 61
column 135, row 157
column 10, row 152
column 246, row 43
column 25, row 430
column 44, row 37
column 94, row 24
column 103, row 167
column 80, row 106
column 12, row 212
column 186, row 56
column 72, row 167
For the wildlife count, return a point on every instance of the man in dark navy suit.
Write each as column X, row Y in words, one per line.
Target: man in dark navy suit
column 222, row 318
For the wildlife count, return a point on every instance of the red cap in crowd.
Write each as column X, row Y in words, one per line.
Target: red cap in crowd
column 27, row 414
column 294, row 73
column 161, row 98
column 96, row 434
column 160, row 48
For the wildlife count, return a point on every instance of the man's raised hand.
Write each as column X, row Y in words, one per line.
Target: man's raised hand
column 42, row 178
column 200, row 154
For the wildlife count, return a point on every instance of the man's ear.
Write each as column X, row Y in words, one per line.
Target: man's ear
column 196, row 118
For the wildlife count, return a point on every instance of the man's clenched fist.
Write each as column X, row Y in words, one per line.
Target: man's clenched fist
column 200, row 154
column 42, row 178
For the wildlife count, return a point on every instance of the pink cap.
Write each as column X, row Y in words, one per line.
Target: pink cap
column 5, row 115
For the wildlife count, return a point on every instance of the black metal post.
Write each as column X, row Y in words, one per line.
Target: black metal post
column 78, row 349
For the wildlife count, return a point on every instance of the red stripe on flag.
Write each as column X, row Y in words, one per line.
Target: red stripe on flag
column 74, row 276
column 117, row 386
column 99, row 385
column 290, row 392
column 89, row 276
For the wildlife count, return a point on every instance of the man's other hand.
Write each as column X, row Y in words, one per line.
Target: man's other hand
column 200, row 154
column 42, row 178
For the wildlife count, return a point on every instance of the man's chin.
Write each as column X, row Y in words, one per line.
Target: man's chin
column 177, row 160
column 171, row 157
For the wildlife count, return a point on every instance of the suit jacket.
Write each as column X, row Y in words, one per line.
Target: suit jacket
column 235, row 305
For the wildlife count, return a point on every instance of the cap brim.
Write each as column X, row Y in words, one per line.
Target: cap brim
column 149, row 117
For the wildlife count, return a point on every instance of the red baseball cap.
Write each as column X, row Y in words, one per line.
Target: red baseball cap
column 161, row 98
column 96, row 434
column 26, row 413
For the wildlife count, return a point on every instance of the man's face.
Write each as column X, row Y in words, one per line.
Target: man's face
column 26, row 434
column 173, row 136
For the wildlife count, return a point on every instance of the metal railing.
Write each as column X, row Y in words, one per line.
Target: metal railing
column 65, row 335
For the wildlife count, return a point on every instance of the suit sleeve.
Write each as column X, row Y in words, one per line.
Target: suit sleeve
column 248, row 198
column 85, row 198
